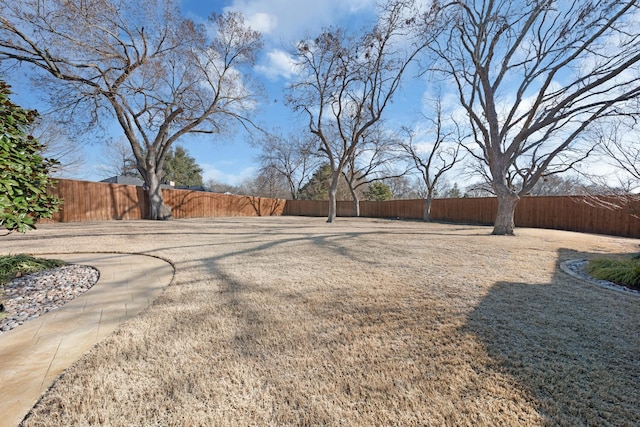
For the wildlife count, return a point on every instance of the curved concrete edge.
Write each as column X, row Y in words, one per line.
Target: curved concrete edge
column 600, row 283
column 33, row 355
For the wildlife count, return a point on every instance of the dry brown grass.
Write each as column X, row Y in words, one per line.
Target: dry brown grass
column 291, row 321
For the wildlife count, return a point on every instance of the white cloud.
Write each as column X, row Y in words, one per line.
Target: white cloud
column 287, row 20
column 262, row 22
column 219, row 176
column 278, row 64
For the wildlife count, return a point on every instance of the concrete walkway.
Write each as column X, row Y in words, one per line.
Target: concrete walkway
column 33, row 355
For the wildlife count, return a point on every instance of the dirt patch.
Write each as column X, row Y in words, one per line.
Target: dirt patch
column 291, row 321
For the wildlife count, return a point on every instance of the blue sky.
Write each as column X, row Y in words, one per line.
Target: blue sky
column 230, row 158
column 281, row 22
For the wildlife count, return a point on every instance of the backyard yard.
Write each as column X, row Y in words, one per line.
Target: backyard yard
column 278, row 321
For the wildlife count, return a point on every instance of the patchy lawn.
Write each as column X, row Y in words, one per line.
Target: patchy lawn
column 292, row 321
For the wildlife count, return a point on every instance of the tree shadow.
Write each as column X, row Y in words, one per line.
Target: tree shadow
column 573, row 346
column 265, row 206
column 136, row 206
column 200, row 204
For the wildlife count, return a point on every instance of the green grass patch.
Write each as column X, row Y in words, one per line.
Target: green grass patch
column 625, row 272
column 12, row 266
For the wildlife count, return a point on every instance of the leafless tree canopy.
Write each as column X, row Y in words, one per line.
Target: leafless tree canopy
column 294, row 157
column 620, row 144
column 375, row 159
column 117, row 160
column 347, row 80
column 267, row 183
column 533, row 76
column 59, row 145
column 406, row 187
column 159, row 74
column 436, row 154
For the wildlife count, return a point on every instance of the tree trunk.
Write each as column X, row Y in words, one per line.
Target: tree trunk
column 356, row 200
column 426, row 216
column 504, row 224
column 333, row 189
column 157, row 209
column 356, row 206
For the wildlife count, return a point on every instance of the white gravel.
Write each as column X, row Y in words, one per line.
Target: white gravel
column 27, row 298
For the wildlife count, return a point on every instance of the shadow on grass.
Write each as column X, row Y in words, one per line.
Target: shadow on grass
column 573, row 346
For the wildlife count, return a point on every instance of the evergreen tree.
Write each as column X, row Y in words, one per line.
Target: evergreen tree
column 24, row 172
column 317, row 188
column 454, row 192
column 182, row 169
column 378, row 192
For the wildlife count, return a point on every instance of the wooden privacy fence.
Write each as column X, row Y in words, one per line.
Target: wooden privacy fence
column 95, row 201
column 575, row 213
column 406, row 209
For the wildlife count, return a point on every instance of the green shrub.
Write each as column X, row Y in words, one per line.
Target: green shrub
column 624, row 272
column 12, row 266
column 24, row 173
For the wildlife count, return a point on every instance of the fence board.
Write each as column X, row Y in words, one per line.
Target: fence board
column 97, row 201
column 92, row 201
column 584, row 214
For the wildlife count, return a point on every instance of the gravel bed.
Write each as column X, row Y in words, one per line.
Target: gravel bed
column 27, row 298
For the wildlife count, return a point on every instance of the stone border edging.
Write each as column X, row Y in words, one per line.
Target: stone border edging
column 573, row 268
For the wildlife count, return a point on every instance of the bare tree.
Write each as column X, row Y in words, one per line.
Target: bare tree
column 446, row 190
column 118, row 160
column 479, row 189
column 159, row 74
column 532, row 77
column 436, row 156
column 267, row 183
column 374, row 160
column 218, row 187
column 620, row 142
column 346, row 81
column 619, row 148
column 59, row 145
column 294, row 157
column 406, row 187
column 558, row 185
